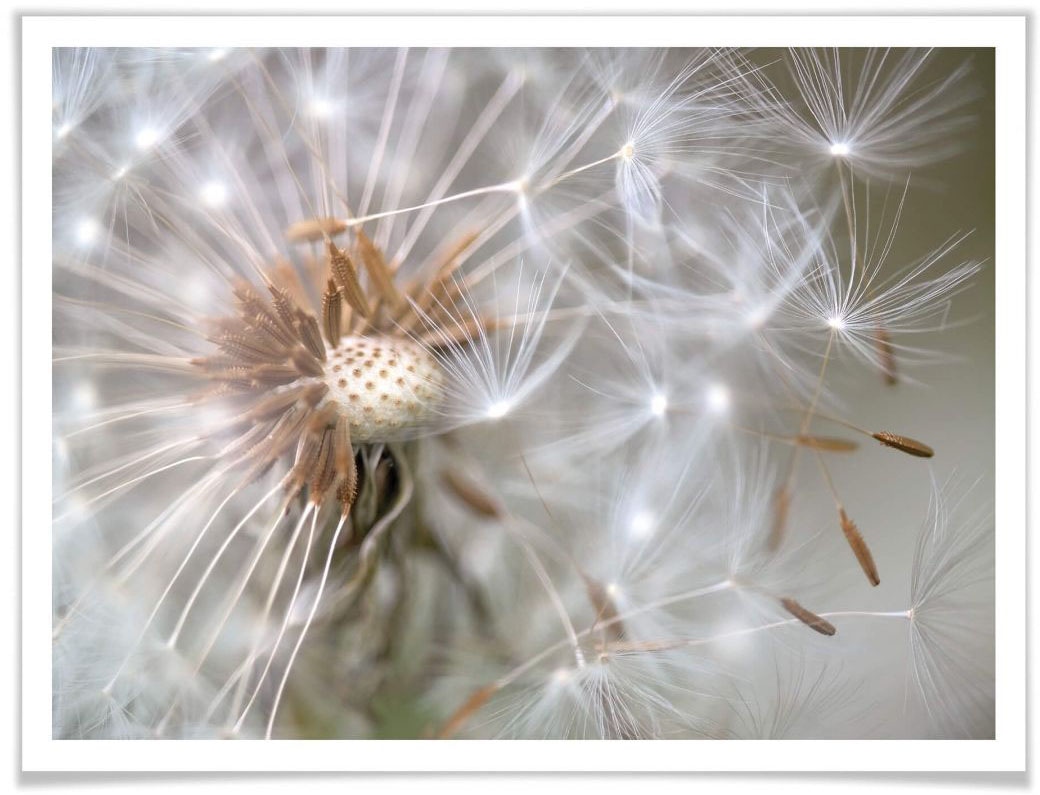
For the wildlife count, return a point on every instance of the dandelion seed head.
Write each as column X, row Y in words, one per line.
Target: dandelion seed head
column 382, row 386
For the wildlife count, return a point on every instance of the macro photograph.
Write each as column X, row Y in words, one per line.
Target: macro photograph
column 522, row 393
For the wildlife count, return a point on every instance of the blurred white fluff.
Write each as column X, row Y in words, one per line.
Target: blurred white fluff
column 651, row 252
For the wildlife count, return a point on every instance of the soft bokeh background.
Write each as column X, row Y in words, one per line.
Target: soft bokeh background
column 952, row 405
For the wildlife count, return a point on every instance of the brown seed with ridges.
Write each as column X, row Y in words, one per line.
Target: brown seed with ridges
column 332, row 313
column 345, row 275
column 859, row 548
column 382, row 277
column 807, row 617
column 904, row 443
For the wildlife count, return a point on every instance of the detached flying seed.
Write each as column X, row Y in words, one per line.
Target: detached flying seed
column 887, row 356
column 859, row 548
column 469, row 493
column 807, row 617
column 904, row 443
column 781, row 507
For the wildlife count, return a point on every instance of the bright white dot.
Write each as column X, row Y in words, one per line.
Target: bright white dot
column 119, row 173
column 321, row 107
column 837, row 322
column 146, row 138
column 642, row 524
column 612, row 589
column 498, row 410
column 628, row 151
column 562, row 676
column 840, row 149
column 217, row 55
column 213, row 193
column 718, row 398
column 64, row 130
column 195, row 292
column 86, row 231
column 757, row 317
column 84, row 396
column 658, row 405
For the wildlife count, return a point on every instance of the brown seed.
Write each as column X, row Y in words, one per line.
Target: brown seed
column 781, row 507
column 323, row 417
column 345, row 275
column 310, row 334
column 274, row 403
column 904, row 443
column 807, row 617
column 344, row 450
column 859, row 548
column 378, row 270
column 463, row 713
column 332, row 313
column 284, row 307
column 606, row 608
column 886, row 355
column 468, row 492
column 314, row 229
column 323, row 473
column 273, row 374
column 306, row 363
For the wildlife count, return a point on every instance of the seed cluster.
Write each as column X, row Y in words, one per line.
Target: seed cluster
column 319, row 380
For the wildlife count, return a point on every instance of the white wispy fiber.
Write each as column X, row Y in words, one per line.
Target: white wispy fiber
column 518, row 393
